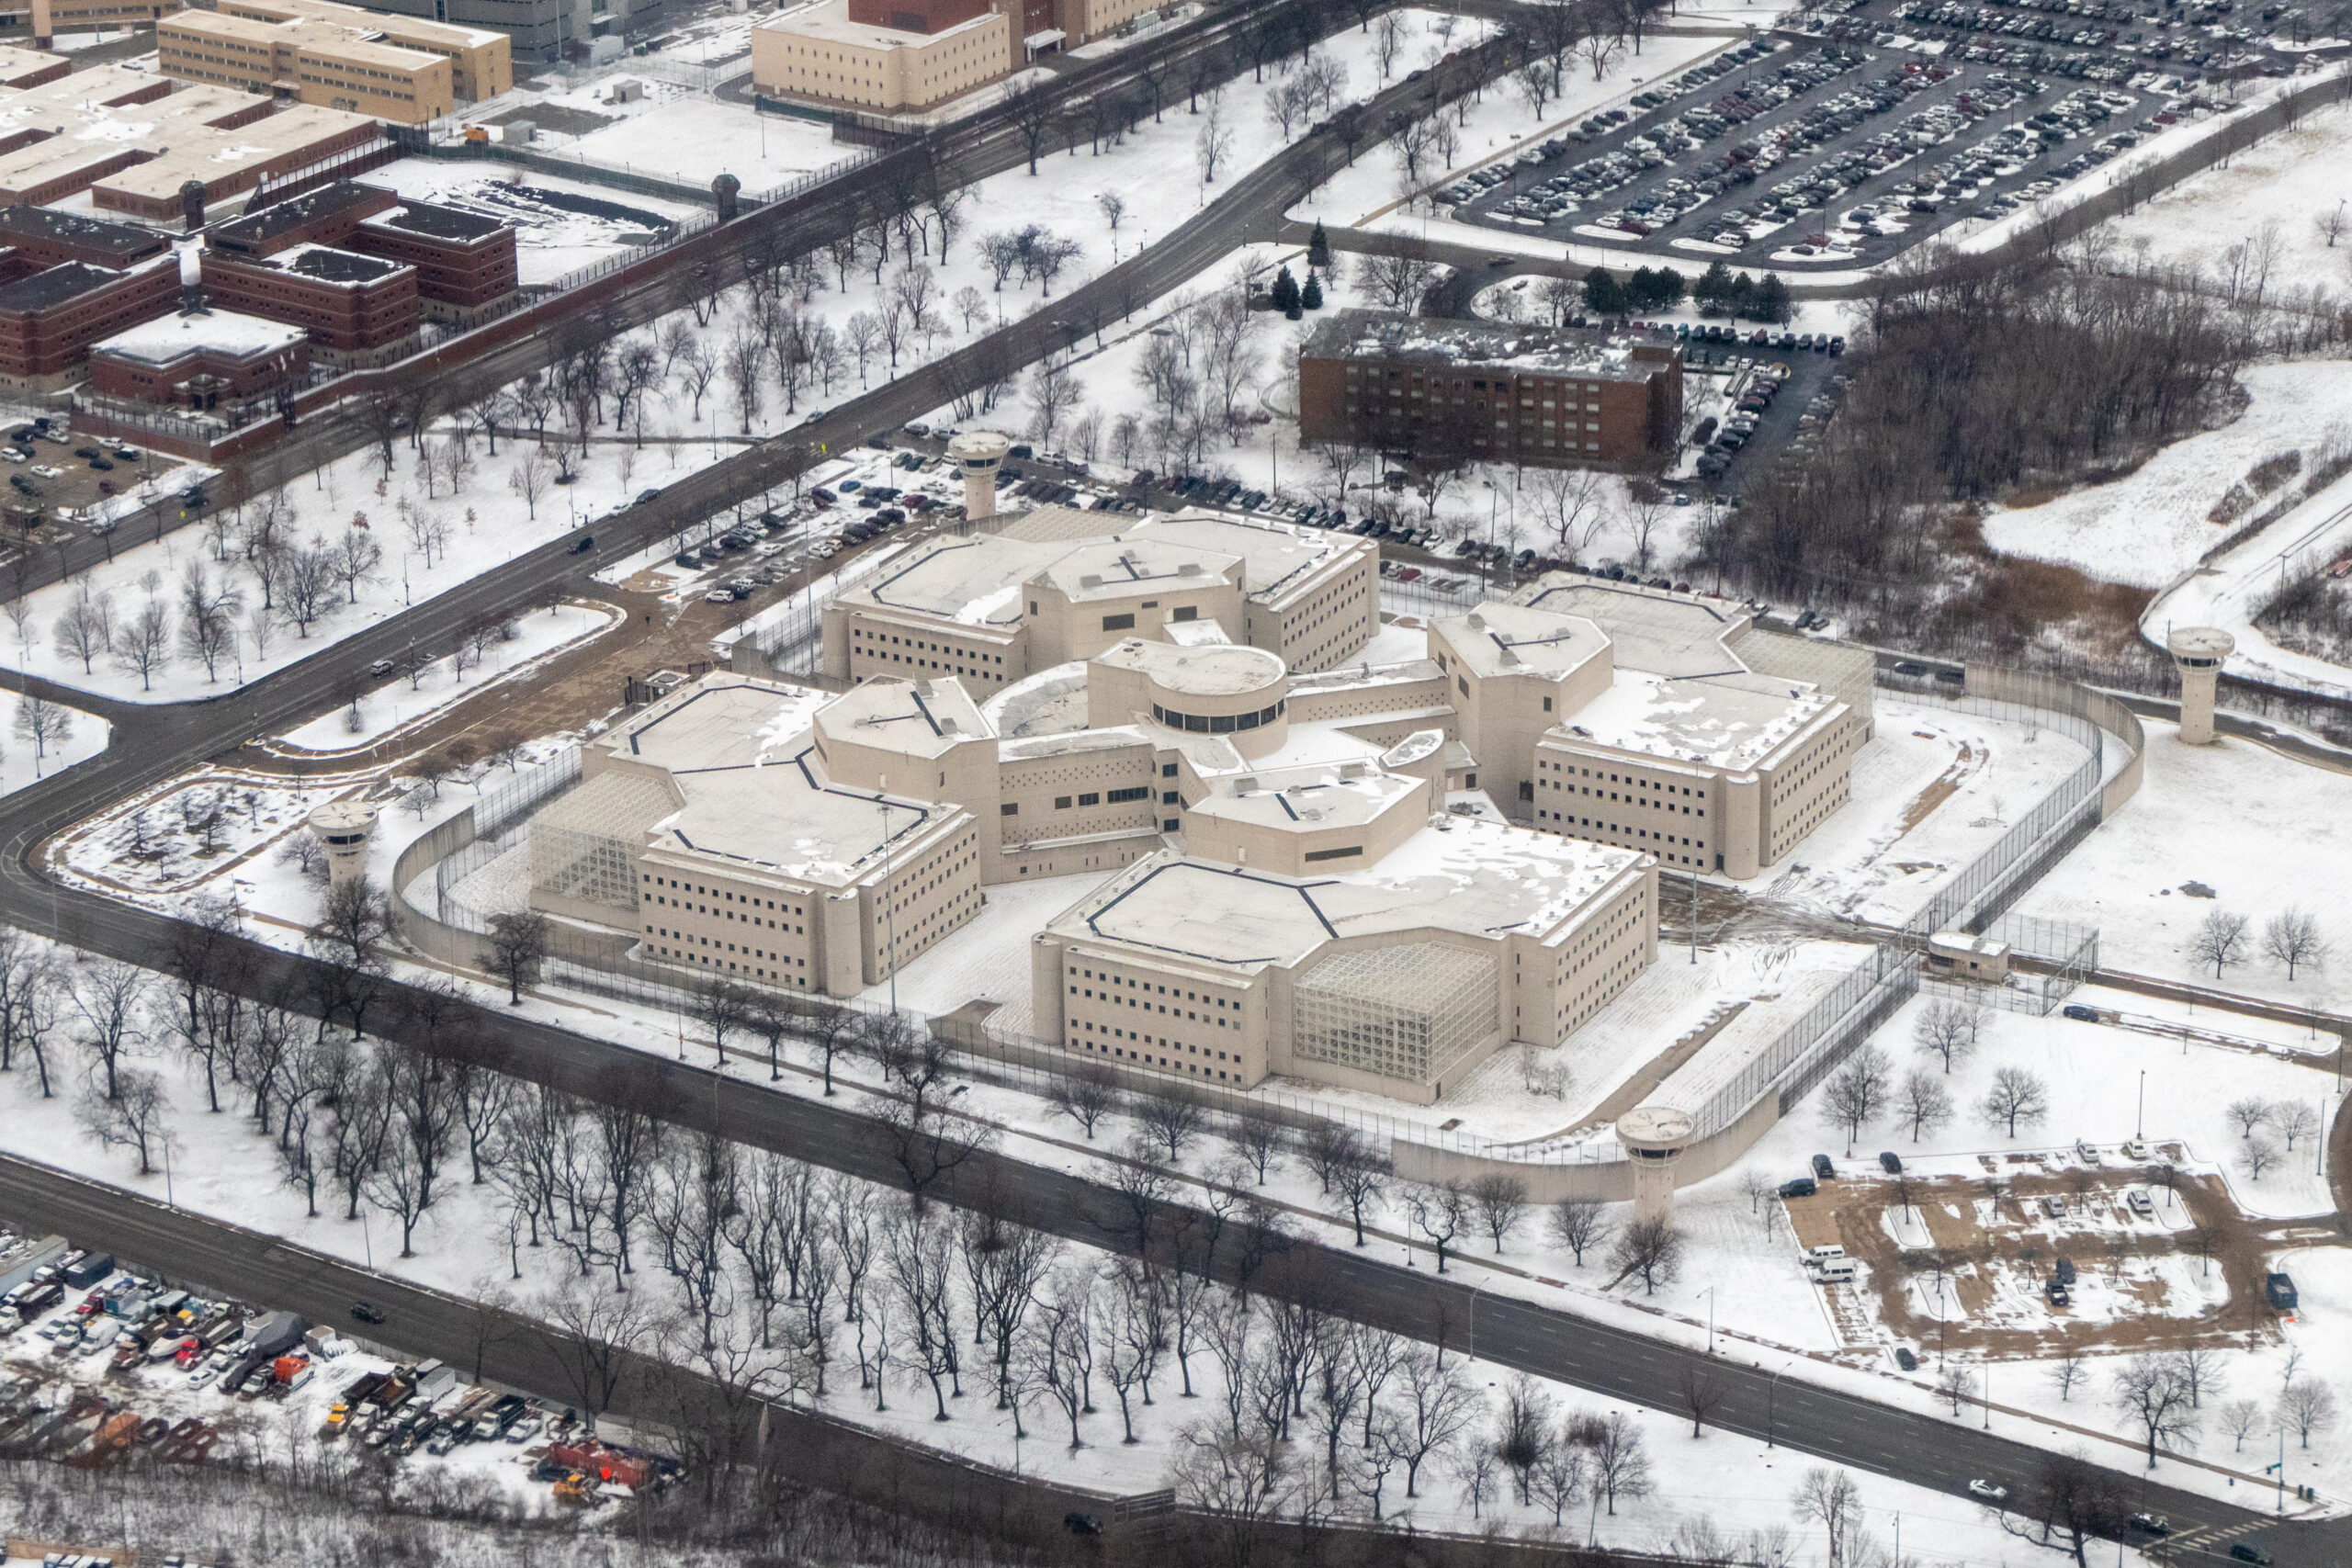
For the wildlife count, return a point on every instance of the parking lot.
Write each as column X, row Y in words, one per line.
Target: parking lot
column 1838, row 150
column 55, row 477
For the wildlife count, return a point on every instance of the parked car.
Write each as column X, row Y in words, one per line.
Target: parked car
column 1905, row 1359
column 1801, row 1187
column 2080, row 1013
column 1889, row 1161
column 2251, row 1552
column 1989, row 1491
column 1823, row 1168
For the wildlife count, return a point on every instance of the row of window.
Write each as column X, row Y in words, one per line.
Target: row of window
column 1088, row 797
column 1216, row 724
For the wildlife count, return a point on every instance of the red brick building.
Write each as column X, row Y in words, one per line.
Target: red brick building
column 460, row 258
column 44, row 237
column 200, row 360
column 1456, row 392
column 49, row 321
column 349, row 302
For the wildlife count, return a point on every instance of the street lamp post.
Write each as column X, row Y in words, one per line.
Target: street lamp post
column 1771, row 1398
column 1710, row 1293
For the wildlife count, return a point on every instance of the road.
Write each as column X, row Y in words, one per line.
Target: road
column 1552, row 1343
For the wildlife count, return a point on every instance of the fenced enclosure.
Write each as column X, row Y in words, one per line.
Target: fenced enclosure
column 2057, row 954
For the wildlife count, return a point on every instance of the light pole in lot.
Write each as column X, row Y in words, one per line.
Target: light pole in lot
column 1771, row 1399
column 2140, row 1118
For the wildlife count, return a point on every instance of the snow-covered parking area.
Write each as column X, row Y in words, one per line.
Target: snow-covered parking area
column 559, row 224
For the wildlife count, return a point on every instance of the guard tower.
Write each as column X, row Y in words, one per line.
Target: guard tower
column 343, row 826
column 2197, row 653
column 978, row 454
column 1655, row 1136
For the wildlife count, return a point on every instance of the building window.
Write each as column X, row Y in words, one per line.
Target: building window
column 1061, row 802
column 1118, row 623
column 1352, row 851
column 1184, row 612
column 1090, row 799
column 1010, row 808
column 1119, row 796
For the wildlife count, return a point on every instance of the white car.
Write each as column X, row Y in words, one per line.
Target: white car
column 45, row 471
column 523, row 1431
column 1987, row 1491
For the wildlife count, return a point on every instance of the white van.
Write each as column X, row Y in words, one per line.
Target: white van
column 1820, row 1255
column 1834, row 1271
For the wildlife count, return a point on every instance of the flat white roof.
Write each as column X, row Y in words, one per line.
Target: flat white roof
column 1217, row 670
column 168, row 338
column 1723, row 721
column 1461, row 875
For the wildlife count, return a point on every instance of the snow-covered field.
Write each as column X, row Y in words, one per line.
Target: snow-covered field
column 72, row 737
column 2227, row 827
column 559, row 224
column 2272, row 204
column 401, row 700
column 2151, row 525
column 2231, row 593
column 484, row 523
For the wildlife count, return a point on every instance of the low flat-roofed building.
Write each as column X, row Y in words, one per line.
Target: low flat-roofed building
column 22, row 68
column 1397, row 976
column 709, row 827
column 1459, row 391
column 818, row 52
column 231, row 167
column 995, row 608
column 199, row 359
column 337, row 65
column 49, row 321
column 349, row 302
column 51, row 17
column 46, row 236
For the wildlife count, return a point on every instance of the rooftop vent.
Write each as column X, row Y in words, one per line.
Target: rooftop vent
column 1245, row 784
column 946, row 727
column 1351, row 770
column 1511, row 654
column 1477, row 622
column 1190, row 569
column 1092, row 580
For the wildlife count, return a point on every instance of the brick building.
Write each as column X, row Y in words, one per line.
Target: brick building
column 349, row 302
column 461, row 258
column 43, row 237
column 49, row 321
column 199, row 359
column 1453, row 391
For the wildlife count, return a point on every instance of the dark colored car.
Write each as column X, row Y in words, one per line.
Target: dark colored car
column 2251, row 1552
column 1905, row 1359
column 1889, row 1161
column 2080, row 1013
column 367, row 1312
column 1802, row 1187
column 647, row 497
column 1821, row 1167
column 584, row 544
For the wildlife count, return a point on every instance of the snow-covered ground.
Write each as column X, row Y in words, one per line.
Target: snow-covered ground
column 221, row 1168
column 559, row 224
column 2231, row 593
column 676, row 133
column 486, row 522
column 2278, row 197
column 2151, row 525
column 2228, row 827
column 401, row 700
column 25, row 760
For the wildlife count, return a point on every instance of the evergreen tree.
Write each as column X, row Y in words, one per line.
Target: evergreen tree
column 1773, row 303
column 1602, row 297
column 1740, row 298
column 1712, row 292
column 1318, row 250
column 1311, row 297
column 1286, row 293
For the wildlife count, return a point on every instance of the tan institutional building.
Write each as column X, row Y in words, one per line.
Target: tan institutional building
column 339, row 57
column 890, row 55
column 1367, row 874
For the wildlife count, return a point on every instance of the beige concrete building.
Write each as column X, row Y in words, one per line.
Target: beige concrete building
column 818, row 52
column 1663, row 722
column 339, row 57
column 991, row 609
column 51, row 17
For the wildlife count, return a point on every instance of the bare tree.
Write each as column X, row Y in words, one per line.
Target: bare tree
column 1212, row 146
column 86, row 629
column 1502, row 1204
column 2292, row 1119
column 2149, row 1391
column 1923, row 1101
column 1396, row 282
column 132, row 1118
column 2068, row 1372
column 2016, row 1096
column 143, row 643
column 1085, row 1094
column 1439, row 1212
column 1621, row 1462
column 1170, row 1123
column 1260, row 1141
column 2241, row 1418
column 1701, row 1393
column 1857, row 1093
column 2292, row 938
column 529, row 477
column 2069, row 1504
column 1830, row 1499
column 1580, row 1225
column 2251, row 1115
column 2257, row 1158
column 1650, row 1249
column 517, row 944
column 1362, row 1177
column 45, row 724
column 2221, row 941
column 1949, row 1031
column 110, row 998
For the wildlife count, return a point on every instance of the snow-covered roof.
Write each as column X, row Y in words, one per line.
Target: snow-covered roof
column 1383, row 337
column 1459, row 874
column 174, row 337
column 1732, row 721
column 1226, row 670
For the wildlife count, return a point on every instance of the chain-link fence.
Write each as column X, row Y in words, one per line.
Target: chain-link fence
column 1807, row 1049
